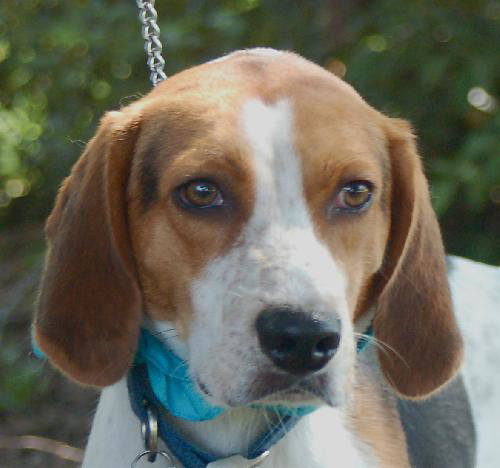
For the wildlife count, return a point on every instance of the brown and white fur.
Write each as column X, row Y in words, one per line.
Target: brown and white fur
column 280, row 137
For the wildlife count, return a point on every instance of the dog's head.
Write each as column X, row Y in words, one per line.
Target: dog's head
column 259, row 205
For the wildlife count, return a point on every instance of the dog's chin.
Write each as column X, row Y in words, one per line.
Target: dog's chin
column 310, row 391
column 301, row 394
column 272, row 389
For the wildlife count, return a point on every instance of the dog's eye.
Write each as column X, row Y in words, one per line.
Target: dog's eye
column 354, row 197
column 201, row 194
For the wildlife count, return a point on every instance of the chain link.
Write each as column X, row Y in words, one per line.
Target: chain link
column 151, row 34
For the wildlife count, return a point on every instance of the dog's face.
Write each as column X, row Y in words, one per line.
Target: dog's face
column 252, row 213
column 259, row 205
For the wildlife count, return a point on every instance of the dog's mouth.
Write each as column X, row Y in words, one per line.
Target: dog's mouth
column 281, row 389
column 288, row 390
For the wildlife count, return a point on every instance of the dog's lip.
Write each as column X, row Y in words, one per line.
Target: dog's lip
column 270, row 388
column 273, row 388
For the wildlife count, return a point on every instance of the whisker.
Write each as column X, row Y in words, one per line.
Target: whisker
column 268, row 419
column 249, row 426
column 382, row 346
column 280, row 419
column 164, row 332
column 183, row 363
column 233, row 293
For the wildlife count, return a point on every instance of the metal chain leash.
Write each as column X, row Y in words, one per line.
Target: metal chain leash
column 152, row 46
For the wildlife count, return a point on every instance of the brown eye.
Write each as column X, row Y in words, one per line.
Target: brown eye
column 201, row 194
column 354, row 196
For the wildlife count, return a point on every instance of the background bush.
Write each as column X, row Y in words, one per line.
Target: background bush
column 64, row 62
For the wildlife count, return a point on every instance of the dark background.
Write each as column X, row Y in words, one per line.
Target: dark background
column 63, row 63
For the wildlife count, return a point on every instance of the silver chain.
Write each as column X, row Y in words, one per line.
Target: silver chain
column 152, row 46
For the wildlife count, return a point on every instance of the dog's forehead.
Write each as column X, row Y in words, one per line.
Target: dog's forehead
column 224, row 84
column 199, row 113
column 208, row 100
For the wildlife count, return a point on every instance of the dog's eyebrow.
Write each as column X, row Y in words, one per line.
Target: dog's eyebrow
column 177, row 133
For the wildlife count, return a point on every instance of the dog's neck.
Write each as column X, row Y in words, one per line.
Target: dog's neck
column 232, row 432
column 317, row 440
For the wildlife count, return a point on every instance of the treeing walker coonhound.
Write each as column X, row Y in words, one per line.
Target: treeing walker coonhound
column 257, row 215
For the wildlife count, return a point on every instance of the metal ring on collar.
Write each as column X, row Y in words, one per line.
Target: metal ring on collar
column 148, row 453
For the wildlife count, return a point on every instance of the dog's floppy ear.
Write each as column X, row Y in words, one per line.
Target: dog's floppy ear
column 89, row 308
column 421, row 345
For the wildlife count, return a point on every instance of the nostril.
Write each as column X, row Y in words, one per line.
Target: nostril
column 328, row 344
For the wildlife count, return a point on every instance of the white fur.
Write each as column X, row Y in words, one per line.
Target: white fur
column 262, row 51
column 476, row 295
column 115, row 439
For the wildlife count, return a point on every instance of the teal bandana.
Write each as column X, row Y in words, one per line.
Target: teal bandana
column 170, row 381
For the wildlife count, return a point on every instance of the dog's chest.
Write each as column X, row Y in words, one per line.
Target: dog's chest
column 319, row 440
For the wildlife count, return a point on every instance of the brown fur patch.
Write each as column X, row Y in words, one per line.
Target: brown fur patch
column 171, row 242
column 375, row 419
column 89, row 307
column 414, row 317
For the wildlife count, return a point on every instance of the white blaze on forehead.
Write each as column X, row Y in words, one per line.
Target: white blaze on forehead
column 277, row 168
column 281, row 219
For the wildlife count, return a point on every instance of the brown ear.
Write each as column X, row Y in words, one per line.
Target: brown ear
column 414, row 317
column 89, row 308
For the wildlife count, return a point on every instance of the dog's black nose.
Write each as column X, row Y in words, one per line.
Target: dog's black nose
column 296, row 342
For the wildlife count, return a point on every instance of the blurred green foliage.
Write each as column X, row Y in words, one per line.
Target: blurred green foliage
column 20, row 377
column 64, row 62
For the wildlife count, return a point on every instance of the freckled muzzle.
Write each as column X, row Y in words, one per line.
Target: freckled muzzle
column 295, row 341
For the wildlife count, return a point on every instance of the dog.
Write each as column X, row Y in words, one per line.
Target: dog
column 258, row 217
